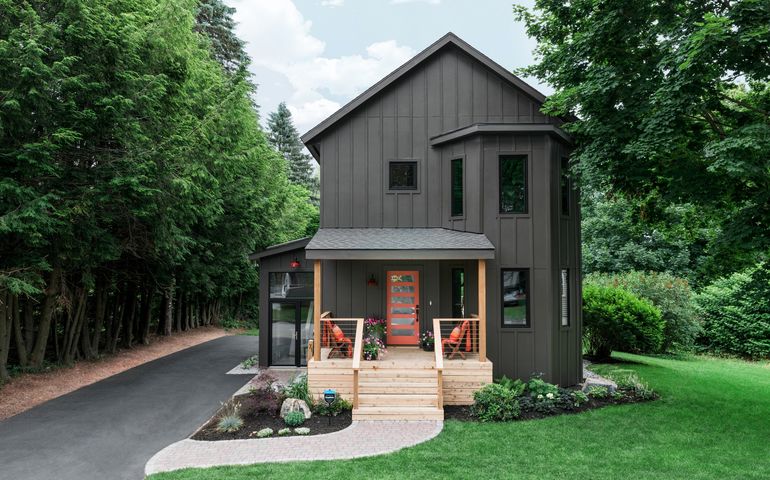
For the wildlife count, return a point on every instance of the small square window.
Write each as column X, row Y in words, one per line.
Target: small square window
column 402, row 176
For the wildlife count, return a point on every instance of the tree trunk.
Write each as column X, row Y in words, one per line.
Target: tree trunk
column 99, row 314
column 146, row 315
column 21, row 346
column 5, row 334
column 166, row 317
column 46, row 314
column 128, row 316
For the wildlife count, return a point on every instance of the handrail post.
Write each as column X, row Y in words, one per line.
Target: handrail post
column 482, row 281
column 317, row 310
column 439, row 352
column 357, row 348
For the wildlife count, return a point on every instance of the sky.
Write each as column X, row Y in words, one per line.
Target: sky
column 317, row 55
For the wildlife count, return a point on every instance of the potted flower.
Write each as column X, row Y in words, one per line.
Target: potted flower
column 373, row 348
column 427, row 341
column 376, row 327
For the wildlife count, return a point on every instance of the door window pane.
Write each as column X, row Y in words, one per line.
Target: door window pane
column 406, row 278
column 513, row 184
column 291, row 284
column 457, row 187
column 402, row 300
column 397, row 332
column 402, row 289
column 515, row 302
column 283, row 317
column 402, row 310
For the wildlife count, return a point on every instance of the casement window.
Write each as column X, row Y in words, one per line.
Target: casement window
column 565, row 186
column 402, row 175
column 515, row 295
column 564, row 298
column 458, row 293
column 457, row 187
column 513, row 184
column 290, row 284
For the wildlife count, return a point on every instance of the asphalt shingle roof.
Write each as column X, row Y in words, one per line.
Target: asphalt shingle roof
column 397, row 239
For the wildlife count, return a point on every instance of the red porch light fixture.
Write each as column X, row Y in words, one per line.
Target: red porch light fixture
column 372, row 282
column 294, row 263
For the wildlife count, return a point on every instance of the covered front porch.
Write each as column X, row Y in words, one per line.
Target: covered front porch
column 407, row 382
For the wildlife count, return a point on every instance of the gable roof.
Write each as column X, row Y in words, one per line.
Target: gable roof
column 448, row 39
column 298, row 244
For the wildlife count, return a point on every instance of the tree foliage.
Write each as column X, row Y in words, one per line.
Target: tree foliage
column 136, row 178
column 283, row 136
column 671, row 99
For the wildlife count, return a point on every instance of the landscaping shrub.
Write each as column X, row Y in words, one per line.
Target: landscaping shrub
column 616, row 319
column 265, row 432
column 229, row 417
column 297, row 388
column 495, row 403
column 294, row 419
column 671, row 295
column 302, row 431
column 597, row 391
column 284, row 431
column 321, row 408
column 735, row 312
column 263, row 397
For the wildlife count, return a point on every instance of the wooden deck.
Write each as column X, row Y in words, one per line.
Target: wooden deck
column 403, row 385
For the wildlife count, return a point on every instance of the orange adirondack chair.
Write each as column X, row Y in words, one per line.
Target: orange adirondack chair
column 451, row 345
column 341, row 346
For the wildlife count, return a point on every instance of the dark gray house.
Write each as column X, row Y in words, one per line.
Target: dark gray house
column 444, row 195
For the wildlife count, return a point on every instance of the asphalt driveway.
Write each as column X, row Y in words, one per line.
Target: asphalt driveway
column 108, row 430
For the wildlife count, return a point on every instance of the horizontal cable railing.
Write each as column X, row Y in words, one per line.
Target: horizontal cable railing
column 457, row 338
column 338, row 337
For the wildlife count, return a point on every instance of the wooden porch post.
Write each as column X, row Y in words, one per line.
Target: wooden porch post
column 482, row 310
column 317, row 310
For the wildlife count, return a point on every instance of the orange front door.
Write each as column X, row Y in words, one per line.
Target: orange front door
column 403, row 307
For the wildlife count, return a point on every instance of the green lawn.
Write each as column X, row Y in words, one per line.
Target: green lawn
column 713, row 421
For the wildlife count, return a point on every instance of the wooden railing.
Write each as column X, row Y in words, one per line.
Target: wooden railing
column 439, row 363
column 470, row 343
column 311, row 342
column 357, row 351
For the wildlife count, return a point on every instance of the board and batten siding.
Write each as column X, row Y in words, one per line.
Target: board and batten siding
column 448, row 91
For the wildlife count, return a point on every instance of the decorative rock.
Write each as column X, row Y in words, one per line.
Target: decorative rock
column 294, row 405
column 600, row 382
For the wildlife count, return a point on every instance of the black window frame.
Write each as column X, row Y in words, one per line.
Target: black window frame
column 565, row 187
column 564, row 298
column 409, row 188
column 527, row 290
column 525, row 158
column 452, row 199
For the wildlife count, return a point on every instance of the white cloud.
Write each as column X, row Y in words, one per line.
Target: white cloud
column 279, row 40
column 431, row 2
column 332, row 3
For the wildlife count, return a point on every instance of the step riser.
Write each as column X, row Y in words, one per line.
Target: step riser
column 384, row 401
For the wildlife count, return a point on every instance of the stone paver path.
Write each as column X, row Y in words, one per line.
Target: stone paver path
column 391, row 436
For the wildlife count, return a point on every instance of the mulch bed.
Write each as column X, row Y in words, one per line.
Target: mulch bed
column 252, row 423
column 463, row 413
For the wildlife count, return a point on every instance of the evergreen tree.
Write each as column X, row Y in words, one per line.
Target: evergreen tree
column 283, row 136
column 215, row 20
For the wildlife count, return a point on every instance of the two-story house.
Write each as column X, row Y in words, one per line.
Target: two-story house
column 445, row 202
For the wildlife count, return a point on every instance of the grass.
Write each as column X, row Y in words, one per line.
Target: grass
column 254, row 332
column 712, row 422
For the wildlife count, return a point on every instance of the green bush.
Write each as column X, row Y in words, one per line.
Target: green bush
column 294, row 419
column 495, row 403
column 323, row 409
column 616, row 319
column 735, row 312
column 671, row 295
column 229, row 424
column 297, row 388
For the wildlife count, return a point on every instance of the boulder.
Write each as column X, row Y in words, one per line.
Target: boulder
column 600, row 382
column 294, row 405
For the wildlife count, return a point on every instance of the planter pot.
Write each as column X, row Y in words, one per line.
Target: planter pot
column 429, row 348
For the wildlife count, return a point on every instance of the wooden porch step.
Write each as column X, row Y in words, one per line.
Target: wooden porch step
column 398, row 413
column 397, row 387
column 388, row 400
column 417, row 374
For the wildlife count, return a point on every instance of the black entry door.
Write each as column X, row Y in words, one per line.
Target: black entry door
column 291, row 325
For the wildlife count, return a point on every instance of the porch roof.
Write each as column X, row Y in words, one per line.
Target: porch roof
column 398, row 244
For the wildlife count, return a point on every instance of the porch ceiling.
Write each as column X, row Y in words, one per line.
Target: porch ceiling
column 398, row 244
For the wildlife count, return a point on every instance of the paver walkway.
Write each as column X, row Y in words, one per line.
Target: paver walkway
column 391, row 436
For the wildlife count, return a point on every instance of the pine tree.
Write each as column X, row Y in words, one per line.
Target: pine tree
column 215, row 20
column 283, row 136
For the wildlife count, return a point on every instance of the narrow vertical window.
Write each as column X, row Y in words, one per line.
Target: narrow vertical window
column 565, row 298
column 458, row 293
column 513, row 184
column 457, row 187
column 515, row 286
column 565, row 186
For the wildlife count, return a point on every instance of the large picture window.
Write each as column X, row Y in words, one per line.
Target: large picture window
column 402, row 175
column 457, row 187
column 564, row 298
column 291, row 284
column 513, row 184
column 515, row 289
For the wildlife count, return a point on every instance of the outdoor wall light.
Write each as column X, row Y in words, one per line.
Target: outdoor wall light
column 295, row 263
column 372, row 282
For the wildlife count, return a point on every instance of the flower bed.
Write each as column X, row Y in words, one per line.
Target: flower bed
column 257, row 414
